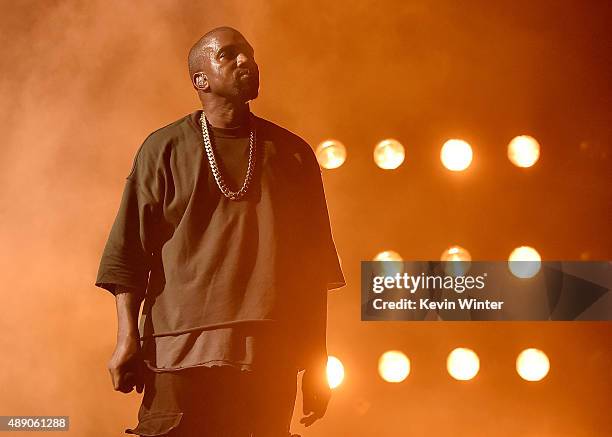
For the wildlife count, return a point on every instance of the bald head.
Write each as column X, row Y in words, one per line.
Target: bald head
column 222, row 66
column 198, row 52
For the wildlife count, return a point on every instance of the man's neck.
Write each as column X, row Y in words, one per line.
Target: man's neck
column 226, row 114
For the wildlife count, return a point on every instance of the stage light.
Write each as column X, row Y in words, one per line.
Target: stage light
column 335, row 372
column 389, row 268
column 389, row 154
column 532, row 365
column 388, row 255
column 331, row 154
column 393, row 366
column 463, row 364
column 456, row 155
column 456, row 253
column 524, row 262
column 523, row 151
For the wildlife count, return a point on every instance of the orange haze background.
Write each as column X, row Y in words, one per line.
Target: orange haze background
column 83, row 83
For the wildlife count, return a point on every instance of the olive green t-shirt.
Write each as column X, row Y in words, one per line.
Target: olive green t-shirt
column 207, row 262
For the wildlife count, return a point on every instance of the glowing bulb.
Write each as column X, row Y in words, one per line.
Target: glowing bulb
column 463, row 364
column 389, row 154
column 532, row 365
column 389, row 268
column 331, row 154
column 388, row 255
column 335, row 372
column 455, row 253
column 393, row 366
column 456, row 155
column 523, row 151
column 524, row 262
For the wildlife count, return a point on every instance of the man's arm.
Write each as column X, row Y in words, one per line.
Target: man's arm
column 126, row 365
column 315, row 388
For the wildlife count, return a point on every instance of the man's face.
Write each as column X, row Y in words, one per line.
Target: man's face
column 230, row 67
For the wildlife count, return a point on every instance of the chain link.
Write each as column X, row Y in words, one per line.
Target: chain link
column 232, row 195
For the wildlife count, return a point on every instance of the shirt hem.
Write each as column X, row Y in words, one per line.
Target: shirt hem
column 335, row 285
column 244, row 367
column 204, row 327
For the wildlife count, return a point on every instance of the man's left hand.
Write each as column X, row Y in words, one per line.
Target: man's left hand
column 315, row 394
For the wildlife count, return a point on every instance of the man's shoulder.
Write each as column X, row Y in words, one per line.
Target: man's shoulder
column 288, row 141
column 166, row 136
column 278, row 133
column 159, row 144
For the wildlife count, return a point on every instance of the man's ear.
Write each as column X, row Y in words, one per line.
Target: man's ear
column 199, row 81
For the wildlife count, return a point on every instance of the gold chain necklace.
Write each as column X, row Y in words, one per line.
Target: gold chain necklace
column 232, row 195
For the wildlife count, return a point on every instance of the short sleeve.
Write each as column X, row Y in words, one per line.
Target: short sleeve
column 325, row 254
column 126, row 259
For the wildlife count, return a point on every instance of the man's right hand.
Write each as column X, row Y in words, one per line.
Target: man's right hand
column 126, row 366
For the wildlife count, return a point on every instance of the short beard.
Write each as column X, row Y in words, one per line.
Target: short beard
column 248, row 93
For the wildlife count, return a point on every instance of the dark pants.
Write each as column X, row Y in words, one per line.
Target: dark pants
column 217, row 402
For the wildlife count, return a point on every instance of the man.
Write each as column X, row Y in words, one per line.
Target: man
column 223, row 231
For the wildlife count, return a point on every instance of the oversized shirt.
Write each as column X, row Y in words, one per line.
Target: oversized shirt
column 209, row 264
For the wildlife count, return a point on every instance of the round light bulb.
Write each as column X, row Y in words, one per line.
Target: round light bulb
column 456, row 253
column 389, row 154
column 456, row 155
column 335, row 372
column 532, row 365
column 524, row 262
column 523, row 151
column 463, row 364
column 331, row 154
column 393, row 366
column 388, row 255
